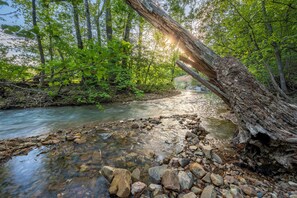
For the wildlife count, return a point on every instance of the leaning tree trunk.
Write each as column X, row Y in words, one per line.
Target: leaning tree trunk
column 263, row 119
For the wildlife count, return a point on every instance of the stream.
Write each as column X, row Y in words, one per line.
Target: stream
column 72, row 170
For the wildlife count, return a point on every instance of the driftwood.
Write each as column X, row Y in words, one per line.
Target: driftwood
column 264, row 121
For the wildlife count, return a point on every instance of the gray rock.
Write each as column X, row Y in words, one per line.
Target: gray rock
column 189, row 195
column 135, row 174
column 153, row 187
column 191, row 135
column 196, row 190
column 184, row 162
column 207, row 150
column 193, row 148
column 156, row 173
column 186, row 180
column 102, row 186
column 170, row 180
column 229, row 180
column 108, row 172
column 217, row 179
column 208, row 192
column 174, row 162
column 216, row 158
column 161, row 196
column 235, row 191
column 248, row 190
column 197, row 170
column 137, row 188
column 179, row 149
column 206, row 178
column 135, row 126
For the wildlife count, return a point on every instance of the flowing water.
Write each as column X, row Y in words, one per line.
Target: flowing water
column 73, row 170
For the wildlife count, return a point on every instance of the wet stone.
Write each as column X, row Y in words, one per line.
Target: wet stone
column 136, row 174
column 107, row 172
column 170, row 180
column 138, row 188
column 208, row 192
column 156, row 173
column 121, row 182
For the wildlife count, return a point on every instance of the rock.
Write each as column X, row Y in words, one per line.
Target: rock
column 189, row 195
column 186, row 180
column 121, row 182
column 248, row 190
column 174, row 162
column 179, row 149
column 216, row 158
column 208, row 192
column 196, row 190
column 134, row 126
column 197, row 170
column 153, row 187
column 184, row 162
column 207, row 151
column 292, row 184
column 96, row 157
column 190, row 135
column 108, row 172
column 229, row 180
column 170, row 180
column 138, row 188
column 161, row 196
column 102, row 186
column 83, row 168
column 156, row 173
column 206, row 178
column 235, row 191
column 216, row 179
column 135, row 174
column 80, row 140
column 193, row 148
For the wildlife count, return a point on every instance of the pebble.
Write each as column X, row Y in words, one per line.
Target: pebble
column 137, row 188
column 170, row 180
column 208, row 192
column 216, row 179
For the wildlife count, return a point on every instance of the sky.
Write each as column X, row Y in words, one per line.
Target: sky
column 10, row 19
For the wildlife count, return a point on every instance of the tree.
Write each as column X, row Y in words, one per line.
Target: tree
column 264, row 121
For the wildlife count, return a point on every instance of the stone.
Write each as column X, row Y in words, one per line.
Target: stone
column 156, row 173
column 83, row 168
column 107, row 172
column 102, row 186
column 153, row 187
column 208, row 192
column 217, row 179
column 161, row 196
column 197, row 170
column 135, row 126
column 189, row 195
column 184, row 162
column 170, row 180
column 179, row 149
column 216, row 158
column 229, row 180
column 190, row 135
column 235, row 191
column 292, row 184
column 193, row 148
column 135, row 174
column 186, row 180
column 174, row 162
column 248, row 190
column 121, row 182
column 206, row 178
column 196, row 190
column 138, row 188
column 80, row 140
column 96, row 157
column 207, row 150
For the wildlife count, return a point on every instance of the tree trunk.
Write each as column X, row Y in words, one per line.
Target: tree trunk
column 87, row 13
column 108, row 20
column 264, row 121
column 97, row 20
column 77, row 26
column 38, row 37
column 128, row 26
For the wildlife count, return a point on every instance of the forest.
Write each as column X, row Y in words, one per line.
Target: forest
column 104, row 48
column 146, row 98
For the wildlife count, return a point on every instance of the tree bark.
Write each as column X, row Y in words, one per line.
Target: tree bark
column 76, row 25
column 38, row 37
column 97, row 20
column 108, row 20
column 87, row 13
column 264, row 121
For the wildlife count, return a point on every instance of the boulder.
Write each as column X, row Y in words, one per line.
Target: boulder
column 138, row 188
column 121, row 182
column 197, row 170
column 107, row 172
column 170, row 180
column 186, row 180
column 208, row 192
column 217, row 179
column 156, row 173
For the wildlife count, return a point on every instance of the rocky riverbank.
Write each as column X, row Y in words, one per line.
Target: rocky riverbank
column 199, row 167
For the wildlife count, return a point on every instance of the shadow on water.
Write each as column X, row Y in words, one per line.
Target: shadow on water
column 73, row 169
